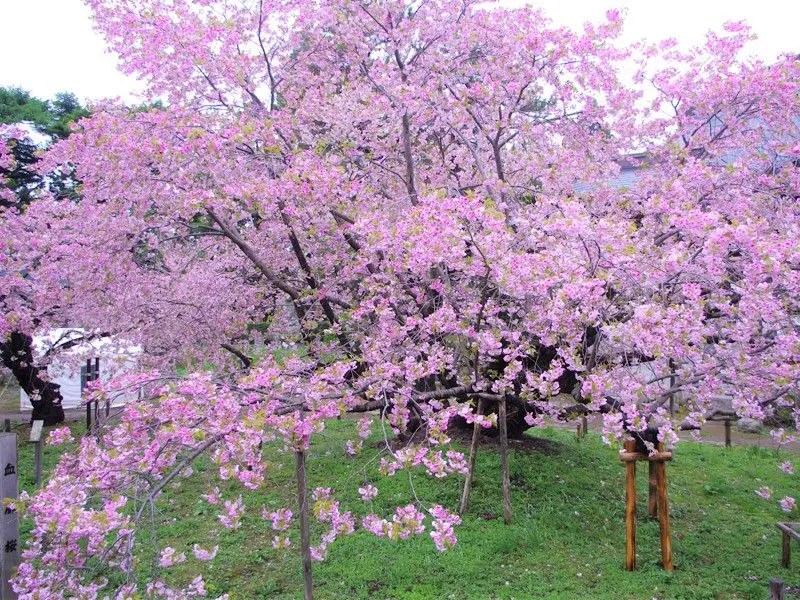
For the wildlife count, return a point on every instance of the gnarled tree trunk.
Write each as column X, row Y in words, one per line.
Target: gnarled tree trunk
column 16, row 353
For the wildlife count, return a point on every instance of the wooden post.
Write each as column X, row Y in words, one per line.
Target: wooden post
column 108, row 407
column 88, row 418
column 9, row 488
column 727, row 433
column 36, row 439
column 630, row 509
column 663, row 513
column 584, row 425
column 786, row 549
column 652, row 489
column 776, row 589
column 305, row 537
column 503, row 426
column 473, row 452
column 7, row 425
column 671, row 386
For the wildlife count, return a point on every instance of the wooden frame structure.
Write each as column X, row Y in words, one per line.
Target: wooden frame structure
column 657, row 504
column 726, row 417
column 789, row 530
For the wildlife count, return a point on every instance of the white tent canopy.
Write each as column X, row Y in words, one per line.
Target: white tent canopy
column 74, row 357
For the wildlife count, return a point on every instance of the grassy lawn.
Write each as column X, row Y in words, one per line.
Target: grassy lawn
column 566, row 540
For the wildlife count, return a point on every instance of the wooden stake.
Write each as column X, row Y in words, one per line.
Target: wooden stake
column 671, row 386
column 305, row 536
column 7, row 425
column 501, row 418
column 630, row 509
column 663, row 513
column 473, row 452
column 584, row 425
column 776, row 589
column 727, row 433
column 786, row 550
column 652, row 489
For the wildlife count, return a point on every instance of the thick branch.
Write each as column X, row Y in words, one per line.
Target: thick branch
column 250, row 253
column 246, row 360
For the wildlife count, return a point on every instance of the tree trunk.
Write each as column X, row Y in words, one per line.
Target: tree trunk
column 515, row 420
column 16, row 353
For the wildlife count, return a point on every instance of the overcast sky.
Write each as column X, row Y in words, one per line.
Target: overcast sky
column 48, row 46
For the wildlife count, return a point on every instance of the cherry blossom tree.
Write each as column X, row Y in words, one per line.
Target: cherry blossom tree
column 412, row 208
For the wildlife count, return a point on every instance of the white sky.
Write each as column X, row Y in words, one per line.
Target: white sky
column 50, row 46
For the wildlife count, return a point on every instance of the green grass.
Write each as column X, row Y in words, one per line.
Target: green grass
column 566, row 539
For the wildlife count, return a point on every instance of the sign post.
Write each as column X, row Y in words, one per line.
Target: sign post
column 36, row 439
column 9, row 538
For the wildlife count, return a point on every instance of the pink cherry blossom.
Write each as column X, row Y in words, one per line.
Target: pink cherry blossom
column 234, row 509
column 764, row 492
column 788, row 504
column 281, row 519
column 368, row 492
column 204, row 555
column 60, row 435
column 337, row 215
column 169, row 556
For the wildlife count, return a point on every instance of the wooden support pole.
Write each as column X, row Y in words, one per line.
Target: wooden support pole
column 671, row 386
column 727, row 433
column 652, row 489
column 584, row 425
column 88, row 418
column 473, row 452
column 7, row 425
column 663, row 513
column 305, row 535
column 776, row 589
column 630, row 509
column 786, row 550
column 503, row 426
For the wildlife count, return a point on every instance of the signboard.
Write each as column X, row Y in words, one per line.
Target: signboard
column 36, row 431
column 9, row 520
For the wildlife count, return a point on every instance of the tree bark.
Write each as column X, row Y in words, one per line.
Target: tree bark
column 16, row 353
column 515, row 419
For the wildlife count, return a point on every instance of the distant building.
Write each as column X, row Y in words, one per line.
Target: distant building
column 78, row 360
